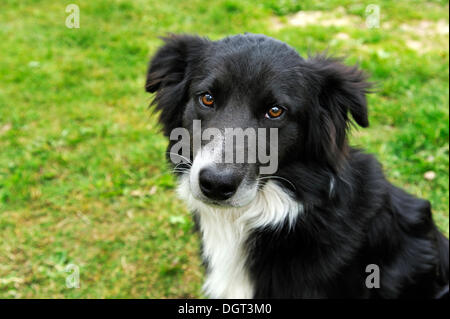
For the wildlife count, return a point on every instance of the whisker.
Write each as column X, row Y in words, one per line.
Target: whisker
column 278, row 177
column 180, row 170
column 179, row 164
column 188, row 161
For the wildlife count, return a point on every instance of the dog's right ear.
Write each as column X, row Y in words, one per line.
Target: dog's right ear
column 169, row 73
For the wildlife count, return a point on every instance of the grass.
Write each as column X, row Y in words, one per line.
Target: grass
column 82, row 179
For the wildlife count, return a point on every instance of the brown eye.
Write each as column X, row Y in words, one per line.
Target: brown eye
column 207, row 100
column 274, row 112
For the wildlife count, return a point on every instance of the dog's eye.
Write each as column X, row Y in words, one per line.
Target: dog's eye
column 207, row 100
column 274, row 112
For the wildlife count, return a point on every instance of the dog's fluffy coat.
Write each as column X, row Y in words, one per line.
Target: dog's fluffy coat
column 313, row 239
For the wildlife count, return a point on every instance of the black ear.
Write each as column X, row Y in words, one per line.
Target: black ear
column 342, row 88
column 336, row 90
column 169, row 75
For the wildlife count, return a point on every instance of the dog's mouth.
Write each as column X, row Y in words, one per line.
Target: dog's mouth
column 190, row 189
column 222, row 196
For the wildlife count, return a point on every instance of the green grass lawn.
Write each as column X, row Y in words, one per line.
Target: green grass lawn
column 82, row 173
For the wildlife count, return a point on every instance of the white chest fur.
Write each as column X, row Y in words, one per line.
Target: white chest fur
column 223, row 237
column 225, row 231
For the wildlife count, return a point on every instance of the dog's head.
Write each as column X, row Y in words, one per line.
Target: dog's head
column 252, row 82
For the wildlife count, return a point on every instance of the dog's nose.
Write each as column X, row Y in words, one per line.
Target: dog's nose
column 219, row 184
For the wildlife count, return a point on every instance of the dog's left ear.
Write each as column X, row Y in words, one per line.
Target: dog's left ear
column 335, row 91
column 341, row 88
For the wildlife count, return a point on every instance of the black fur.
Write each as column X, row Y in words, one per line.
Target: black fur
column 361, row 220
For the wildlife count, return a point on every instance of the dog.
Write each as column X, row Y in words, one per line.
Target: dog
column 326, row 223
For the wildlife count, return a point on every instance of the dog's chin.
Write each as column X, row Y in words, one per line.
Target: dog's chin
column 234, row 202
column 210, row 202
column 223, row 204
column 213, row 203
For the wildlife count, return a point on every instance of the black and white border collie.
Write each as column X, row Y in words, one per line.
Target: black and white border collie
column 311, row 229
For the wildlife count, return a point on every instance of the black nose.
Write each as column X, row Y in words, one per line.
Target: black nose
column 219, row 184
